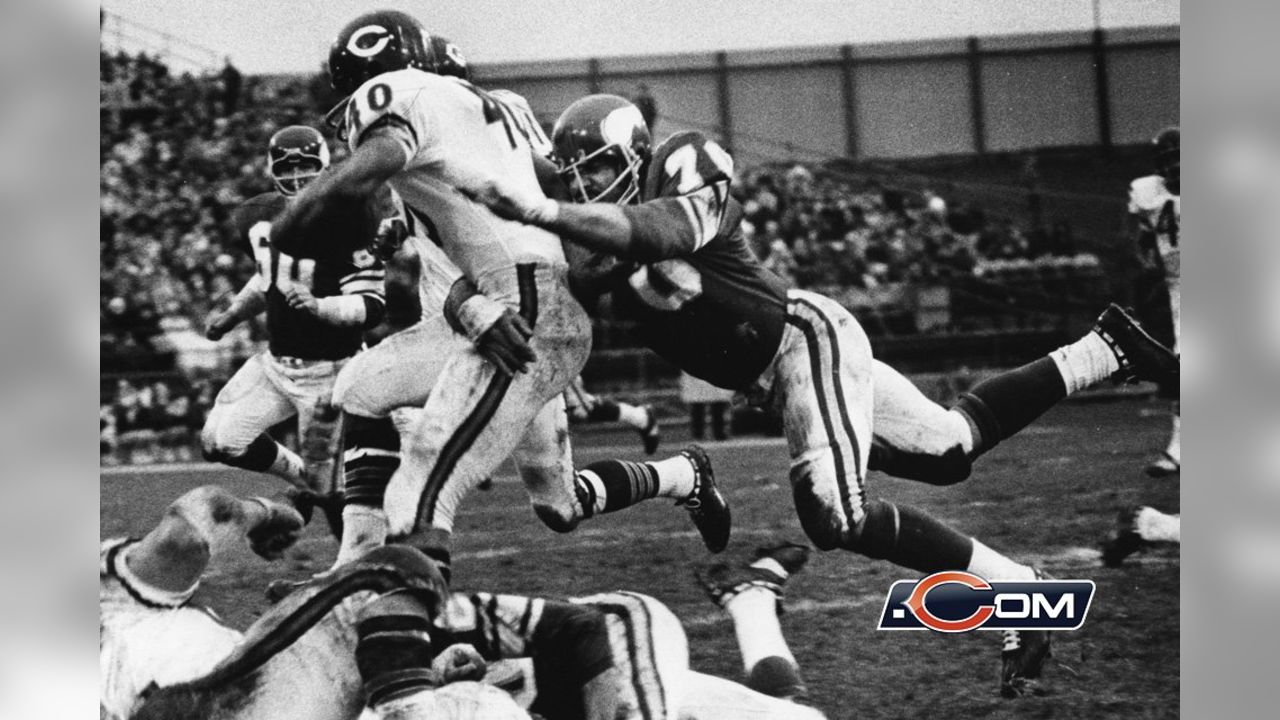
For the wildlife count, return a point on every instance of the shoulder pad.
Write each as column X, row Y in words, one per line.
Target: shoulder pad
column 391, row 97
column 684, row 163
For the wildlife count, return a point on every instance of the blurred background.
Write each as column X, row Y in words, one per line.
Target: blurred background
column 964, row 196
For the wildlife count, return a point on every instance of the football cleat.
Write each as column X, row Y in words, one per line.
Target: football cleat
column 791, row 556
column 651, row 433
column 1124, row 540
column 1141, row 357
column 1163, row 466
column 707, row 507
column 1022, row 658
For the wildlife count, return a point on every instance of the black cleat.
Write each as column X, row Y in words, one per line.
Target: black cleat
column 651, row 433
column 791, row 556
column 707, row 507
column 1124, row 541
column 1140, row 356
column 1022, row 658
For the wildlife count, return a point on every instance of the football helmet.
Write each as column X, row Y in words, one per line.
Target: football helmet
column 448, row 58
column 602, row 129
column 1168, row 150
column 375, row 43
column 295, row 156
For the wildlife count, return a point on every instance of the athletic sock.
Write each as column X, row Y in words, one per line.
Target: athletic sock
column 604, row 410
column 755, row 621
column 371, row 458
column 611, row 485
column 633, row 415
column 1085, row 362
column 1154, row 526
column 287, row 464
column 911, row 538
column 1000, row 407
column 1175, row 440
column 991, row 565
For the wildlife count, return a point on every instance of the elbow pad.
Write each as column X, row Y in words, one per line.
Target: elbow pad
column 342, row 309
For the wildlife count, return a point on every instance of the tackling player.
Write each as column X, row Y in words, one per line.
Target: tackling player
column 425, row 134
column 1155, row 203
column 699, row 298
column 316, row 309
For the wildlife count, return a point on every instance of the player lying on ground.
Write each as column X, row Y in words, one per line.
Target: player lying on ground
column 161, row 657
column 603, row 657
column 424, row 133
column 316, row 312
column 1138, row 528
column 670, row 252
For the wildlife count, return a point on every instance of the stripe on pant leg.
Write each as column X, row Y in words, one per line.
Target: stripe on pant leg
column 465, row 436
column 635, row 618
column 838, row 385
column 815, row 363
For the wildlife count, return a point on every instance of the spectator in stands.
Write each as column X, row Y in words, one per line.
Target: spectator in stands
column 231, row 82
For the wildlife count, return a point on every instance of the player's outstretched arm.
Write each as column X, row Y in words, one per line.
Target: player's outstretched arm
column 174, row 555
column 378, row 158
column 247, row 303
column 652, row 231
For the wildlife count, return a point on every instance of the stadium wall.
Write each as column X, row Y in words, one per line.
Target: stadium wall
column 890, row 100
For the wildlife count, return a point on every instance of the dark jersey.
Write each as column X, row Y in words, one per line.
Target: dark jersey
column 297, row 333
column 713, row 311
column 568, row 642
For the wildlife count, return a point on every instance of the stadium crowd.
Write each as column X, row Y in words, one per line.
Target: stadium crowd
column 179, row 152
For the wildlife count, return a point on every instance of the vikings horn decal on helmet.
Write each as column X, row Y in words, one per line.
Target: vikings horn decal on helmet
column 295, row 156
column 449, row 59
column 602, row 128
column 1168, row 154
column 376, row 43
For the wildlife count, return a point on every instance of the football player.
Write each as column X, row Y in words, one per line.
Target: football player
column 583, row 406
column 602, row 657
column 163, row 657
column 683, row 273
column 1155, row 203
column 316, row 310
column 501, row 394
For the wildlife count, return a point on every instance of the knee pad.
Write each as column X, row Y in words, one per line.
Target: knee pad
column 822, row 522
column 877, row 534
column 557, row 508
column 949, row 468
column 982, row 416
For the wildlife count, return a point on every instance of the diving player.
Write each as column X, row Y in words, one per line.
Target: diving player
column 683, row 273
column 316, row 311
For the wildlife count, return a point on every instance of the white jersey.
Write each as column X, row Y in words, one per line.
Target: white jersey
column 456, row 135
column 147, row 635
column 1160, row 212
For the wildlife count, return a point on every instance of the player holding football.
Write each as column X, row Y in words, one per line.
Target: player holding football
column 317, row 309
column 425, row 134
column 700, row 299
column 1155, row 202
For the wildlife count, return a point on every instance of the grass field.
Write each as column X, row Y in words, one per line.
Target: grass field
column 1046, row 496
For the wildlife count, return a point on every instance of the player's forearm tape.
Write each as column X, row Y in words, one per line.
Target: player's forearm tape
column 542, row 213
column 477, row 314
column 341, row 309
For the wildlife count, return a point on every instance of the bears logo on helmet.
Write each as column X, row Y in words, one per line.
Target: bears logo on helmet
column 448, row 58
column 376, row 43
column 602, row 129
column 295, row 156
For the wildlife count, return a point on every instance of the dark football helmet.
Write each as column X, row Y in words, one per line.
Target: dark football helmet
column 602, row 129
column 1168, row 155
column 448, row 58
column 375, row 43
column 295, row 156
